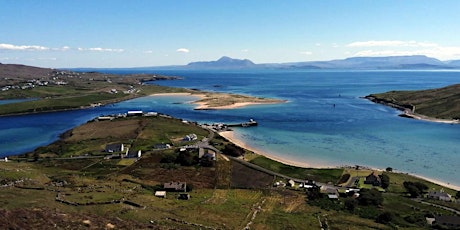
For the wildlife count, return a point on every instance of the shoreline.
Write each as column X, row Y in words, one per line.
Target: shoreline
column 202, row 104
column 408, row 113
column 230, row 136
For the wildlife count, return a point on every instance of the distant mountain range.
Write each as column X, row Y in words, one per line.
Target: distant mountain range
column 364, row 63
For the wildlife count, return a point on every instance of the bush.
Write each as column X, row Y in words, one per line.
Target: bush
column 370, row 197
column 385, row 181
column 168, row 158
column 344, row 178
column 415, row 189
column 233, row 150
column 350, row 204
column 385, row 218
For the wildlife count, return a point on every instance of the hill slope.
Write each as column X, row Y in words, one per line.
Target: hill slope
column 443, row 103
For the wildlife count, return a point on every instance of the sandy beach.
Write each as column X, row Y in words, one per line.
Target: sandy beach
column 211, row 101
column 229, row 135
column 412, row 115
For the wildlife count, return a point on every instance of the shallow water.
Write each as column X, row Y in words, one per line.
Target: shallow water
column 309, row 128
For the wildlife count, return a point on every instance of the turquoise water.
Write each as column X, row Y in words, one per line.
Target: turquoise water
column 307, row 129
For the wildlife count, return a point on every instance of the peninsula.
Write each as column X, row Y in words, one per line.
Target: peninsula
column 57, row 90
column 158, row 172
column 436, row 105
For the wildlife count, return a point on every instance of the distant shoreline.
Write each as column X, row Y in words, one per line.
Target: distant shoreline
column 230, row 136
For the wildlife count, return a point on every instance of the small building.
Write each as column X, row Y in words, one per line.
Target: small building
column 333, row 196
column 175, row 186
column 133, row 154
column 291, row 183
column 161, row 194
column 114, row 148
column 373, row 179
column 135, row 113
column 162, row 146
column 190, row 137
column 105, row 118
column 441, row 195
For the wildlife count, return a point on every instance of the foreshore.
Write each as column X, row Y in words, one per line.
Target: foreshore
column 230, row 136
column 217, row 101
column 408, row 113
column 412, row 115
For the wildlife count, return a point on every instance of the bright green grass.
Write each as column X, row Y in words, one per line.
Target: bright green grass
column 321, row 175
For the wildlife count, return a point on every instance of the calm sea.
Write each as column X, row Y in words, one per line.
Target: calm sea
column 308, row 129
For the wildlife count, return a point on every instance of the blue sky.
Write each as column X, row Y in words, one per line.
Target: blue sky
column 113, row 33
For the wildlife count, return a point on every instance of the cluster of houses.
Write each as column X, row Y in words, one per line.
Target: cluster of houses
column 27, row 85
column 131, row 113
column 190, row 137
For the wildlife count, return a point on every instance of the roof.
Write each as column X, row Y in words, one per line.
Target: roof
column 438, row 194
column 178, row 186
column 160, row 193
column 114, row 147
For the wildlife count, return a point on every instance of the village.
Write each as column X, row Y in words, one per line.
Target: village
column 187, row 161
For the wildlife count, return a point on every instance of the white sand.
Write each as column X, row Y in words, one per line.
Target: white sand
column 229, row 135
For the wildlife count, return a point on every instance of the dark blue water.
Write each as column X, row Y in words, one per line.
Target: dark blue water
column 308, row 129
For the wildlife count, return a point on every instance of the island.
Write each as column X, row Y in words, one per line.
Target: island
column 436, row 105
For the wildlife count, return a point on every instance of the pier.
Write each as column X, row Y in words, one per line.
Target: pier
column 251, row 122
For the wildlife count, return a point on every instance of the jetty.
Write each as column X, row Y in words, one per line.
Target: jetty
column 250, row 123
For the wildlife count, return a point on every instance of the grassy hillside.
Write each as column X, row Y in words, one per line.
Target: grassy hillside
column 70, row 185
column 443, row 103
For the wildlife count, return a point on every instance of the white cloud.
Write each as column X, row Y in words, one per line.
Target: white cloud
column 183, row 50
column 47, row 59
column 306, row 53
column 244, row 50
column 64, row 48
column 99, row 49
column 392, row 44
column 23, row 47
column 148, row 52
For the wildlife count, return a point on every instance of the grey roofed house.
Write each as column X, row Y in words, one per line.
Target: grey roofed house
column 162, row 146
column 175, row 186
column 133, row 154
column 114, row 148
column 439, row 196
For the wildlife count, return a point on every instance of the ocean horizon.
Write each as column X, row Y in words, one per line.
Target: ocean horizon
column 325, row 120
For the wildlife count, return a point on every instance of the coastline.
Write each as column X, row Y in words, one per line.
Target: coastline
column 230, row 136
column 228, row 101
column 409, row 113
